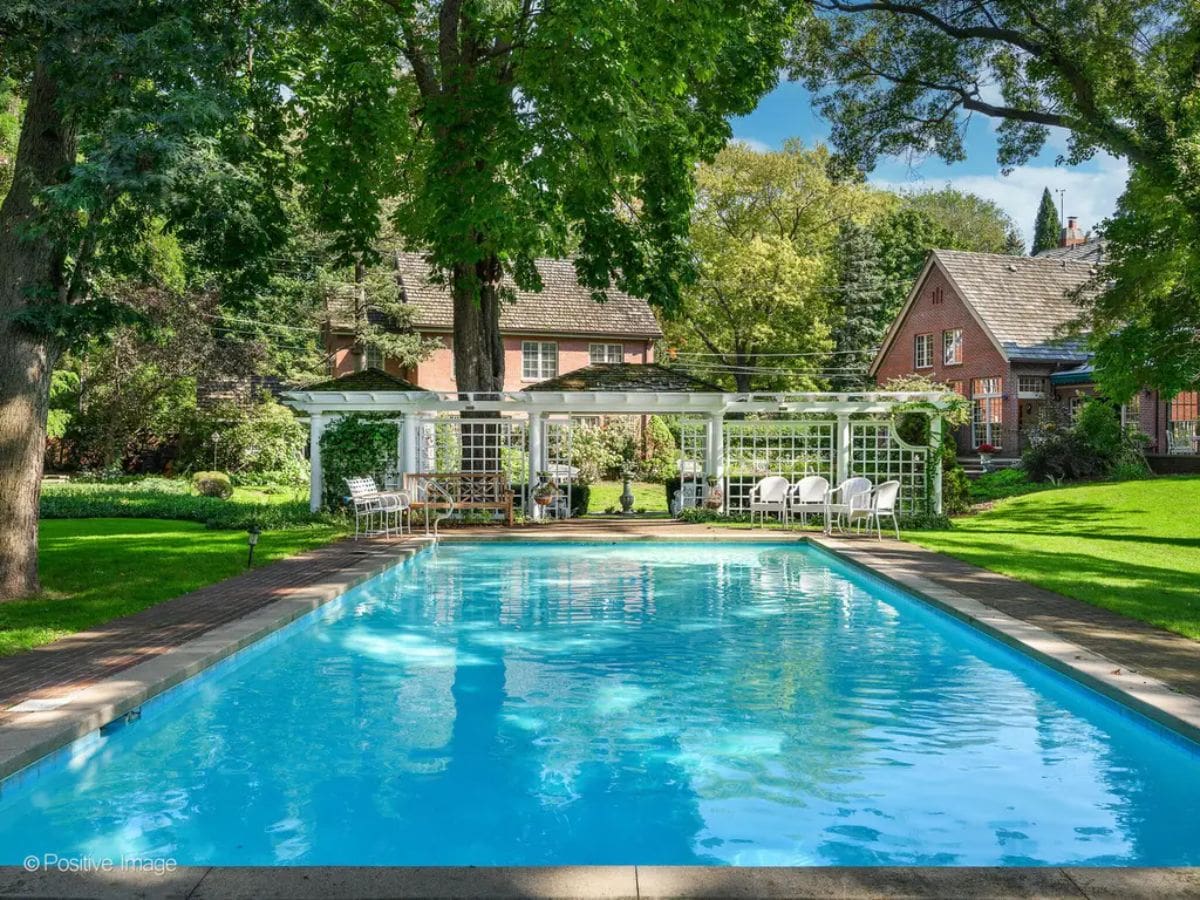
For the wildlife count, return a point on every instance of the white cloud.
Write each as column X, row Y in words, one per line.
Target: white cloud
column 754, row 144
column 1090, row 195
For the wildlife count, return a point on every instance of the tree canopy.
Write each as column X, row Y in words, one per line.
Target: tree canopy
column 900, row 77
column 514, row 129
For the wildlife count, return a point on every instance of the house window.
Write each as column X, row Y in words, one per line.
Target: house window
column 1183, row 423
column 606, row 353
column 959, row 387
column 539, row 360
column 1031, row 387
column 952, row 347
column 937, row 296
column 987, row 401
column 374, row 357
column 1131, row 412
column 923, row 351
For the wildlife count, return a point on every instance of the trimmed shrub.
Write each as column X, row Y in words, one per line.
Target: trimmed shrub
column 162, row 499
column 661, row 459
column 257, row 443
column 581, row 497
column 213, row 484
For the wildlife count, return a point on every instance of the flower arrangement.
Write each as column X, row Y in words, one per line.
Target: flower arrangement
column 988, row 449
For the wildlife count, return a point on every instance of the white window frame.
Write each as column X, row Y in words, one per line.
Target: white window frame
column 1031, row 387
column 539, row 360
column 952, row 338
column 606, row 353
column 375, row 358
column 987, row 394
column 923, row 342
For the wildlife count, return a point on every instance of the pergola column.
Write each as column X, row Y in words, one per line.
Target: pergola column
column 316, row 427
column 843, row 447
column 935, row 459
column 714, row 447
column 408, row 450
column 537, row 423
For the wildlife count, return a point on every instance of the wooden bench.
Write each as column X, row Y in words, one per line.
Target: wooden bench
column 468, row 490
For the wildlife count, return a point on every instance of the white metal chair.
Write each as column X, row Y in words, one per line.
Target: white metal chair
column 851, row 495
column 369, row 502
column 881, row 504
column 770, row 495
column 687, row 497
column 807, row 497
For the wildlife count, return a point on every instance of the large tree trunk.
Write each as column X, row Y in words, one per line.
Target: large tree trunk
column 478, row 356
column 30, row 266
column 478, row 348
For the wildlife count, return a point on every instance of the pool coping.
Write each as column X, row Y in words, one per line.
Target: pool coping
column 846, row 883
column 42, row 729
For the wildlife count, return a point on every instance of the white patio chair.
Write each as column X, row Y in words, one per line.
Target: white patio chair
column 881, row 503
column 852, row 494
column 807, row 497
column 769, row 496
column 369, row 502
column 686, row 497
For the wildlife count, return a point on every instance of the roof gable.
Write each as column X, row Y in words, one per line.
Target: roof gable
column 563, row 306
column 366, row 380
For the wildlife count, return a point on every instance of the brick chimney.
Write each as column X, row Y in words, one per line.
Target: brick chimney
column 1072, row 235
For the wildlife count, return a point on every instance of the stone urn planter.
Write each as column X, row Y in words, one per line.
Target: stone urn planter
column 626, row 497
column 714, row 497
column 544, row 493
column 986, row 452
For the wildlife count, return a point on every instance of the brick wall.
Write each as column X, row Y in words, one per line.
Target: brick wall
column 936, row 309
column 437, row 372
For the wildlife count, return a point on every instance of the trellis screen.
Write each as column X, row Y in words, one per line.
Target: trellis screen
column 453, row 444
column 793, row 449
column 878, row 453
column 693, row 441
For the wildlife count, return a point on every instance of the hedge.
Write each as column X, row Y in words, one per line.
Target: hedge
column 581, row 497
column 167, row 501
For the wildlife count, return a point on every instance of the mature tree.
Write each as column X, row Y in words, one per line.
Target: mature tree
column 764, row 230
column 861, row 292
column 1048, row 226
column 513, row 129
column 969, row 221
column 136, row 116
column 896, row 76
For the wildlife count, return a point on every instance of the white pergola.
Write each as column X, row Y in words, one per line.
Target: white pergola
column 537, row 407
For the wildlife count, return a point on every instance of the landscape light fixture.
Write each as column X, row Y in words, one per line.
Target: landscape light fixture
column 252, row 540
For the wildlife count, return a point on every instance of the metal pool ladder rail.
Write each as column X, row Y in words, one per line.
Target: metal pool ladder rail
column 451, row 505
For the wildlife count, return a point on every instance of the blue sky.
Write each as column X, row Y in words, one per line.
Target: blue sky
column 1091, row 188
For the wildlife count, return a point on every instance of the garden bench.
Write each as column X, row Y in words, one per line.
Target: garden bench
column 454, row 491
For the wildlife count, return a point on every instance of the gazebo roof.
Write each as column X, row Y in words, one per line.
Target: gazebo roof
column 366, row 380
column 626, row 377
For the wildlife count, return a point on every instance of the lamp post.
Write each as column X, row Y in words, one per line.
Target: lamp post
column 252, row 540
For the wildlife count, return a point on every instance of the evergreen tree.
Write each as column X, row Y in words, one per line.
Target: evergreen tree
column 862, row 292
column 1048, row 226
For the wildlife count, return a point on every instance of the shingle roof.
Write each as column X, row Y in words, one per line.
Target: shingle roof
column 626, row 377
column 1026, row 302
column 1089, row 251
column 366, row 380
column 563, row 306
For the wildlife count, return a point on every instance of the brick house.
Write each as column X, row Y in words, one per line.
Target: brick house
column 998, row 329
column 546, row 334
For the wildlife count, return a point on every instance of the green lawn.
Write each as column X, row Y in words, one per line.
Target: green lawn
column 97, row 569
column 647, row 496
column 1131, row 546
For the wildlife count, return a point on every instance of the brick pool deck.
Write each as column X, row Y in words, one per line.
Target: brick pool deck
column 82, row 681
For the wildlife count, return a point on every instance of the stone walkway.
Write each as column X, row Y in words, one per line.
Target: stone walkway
column 82, row 659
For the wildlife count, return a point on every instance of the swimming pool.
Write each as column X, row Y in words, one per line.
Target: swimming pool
column 653, row 703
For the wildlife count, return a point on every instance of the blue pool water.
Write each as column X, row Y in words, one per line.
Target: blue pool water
column 645, row 703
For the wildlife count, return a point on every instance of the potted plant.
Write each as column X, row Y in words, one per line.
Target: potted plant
column 714, row 497
column 986, row 452
column 546, row 491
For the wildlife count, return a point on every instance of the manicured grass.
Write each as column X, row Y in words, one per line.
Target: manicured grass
column 1131, row 546
column 647, row 496
column 94, row 570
